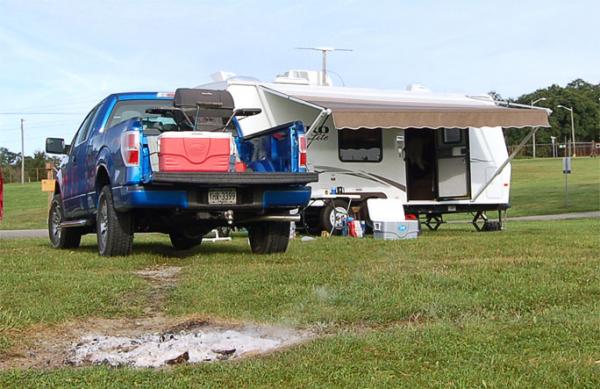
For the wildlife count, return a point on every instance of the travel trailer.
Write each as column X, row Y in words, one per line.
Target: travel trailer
column 437, row 153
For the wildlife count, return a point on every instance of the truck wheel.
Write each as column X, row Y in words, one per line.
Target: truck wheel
column 184, row 241
column 334, row 213
column 269, row 237
column 113, row 229
column 61, row 238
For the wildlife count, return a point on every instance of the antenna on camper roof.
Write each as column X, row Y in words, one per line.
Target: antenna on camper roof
column 324, row 51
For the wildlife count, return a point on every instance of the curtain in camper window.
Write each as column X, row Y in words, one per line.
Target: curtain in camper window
column 361, row 145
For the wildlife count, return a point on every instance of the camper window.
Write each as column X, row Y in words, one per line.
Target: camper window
column 361, row 145
column 452, row 135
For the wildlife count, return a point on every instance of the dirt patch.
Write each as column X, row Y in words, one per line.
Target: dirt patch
column 151, row 341
column 148, row 342
column 205, row 344
column 162, row 279
column 160, row 274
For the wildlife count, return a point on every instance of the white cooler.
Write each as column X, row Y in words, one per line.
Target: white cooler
column 389, row 222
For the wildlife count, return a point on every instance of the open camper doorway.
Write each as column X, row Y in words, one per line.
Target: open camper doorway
column 437, row 164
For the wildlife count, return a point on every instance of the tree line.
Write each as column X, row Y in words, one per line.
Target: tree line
column 580, row 95
column 35, row 166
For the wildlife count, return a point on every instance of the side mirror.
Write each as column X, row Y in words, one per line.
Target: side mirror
column 56, row 146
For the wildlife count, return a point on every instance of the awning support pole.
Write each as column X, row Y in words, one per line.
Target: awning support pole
column 506, row 162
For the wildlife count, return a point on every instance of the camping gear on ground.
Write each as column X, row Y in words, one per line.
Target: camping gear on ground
column 389, row 222
column 355, row 229
column 195, row 151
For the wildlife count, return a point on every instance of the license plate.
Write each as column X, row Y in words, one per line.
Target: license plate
column 222, row 196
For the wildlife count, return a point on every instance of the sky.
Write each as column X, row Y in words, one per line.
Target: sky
column 62, row 57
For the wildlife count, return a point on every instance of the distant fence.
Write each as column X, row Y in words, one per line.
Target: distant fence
column 547, row 150
column 31, row 174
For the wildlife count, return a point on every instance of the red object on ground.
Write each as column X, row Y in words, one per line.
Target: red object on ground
column 1, row 196
column 194, row 151
column 410, row 216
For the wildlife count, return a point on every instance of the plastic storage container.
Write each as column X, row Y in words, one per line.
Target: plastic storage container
column 408, row 229
column 389, row 222
column 195, row 151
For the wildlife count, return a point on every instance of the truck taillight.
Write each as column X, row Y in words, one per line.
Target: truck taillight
column 130, row 148
column 302, row 149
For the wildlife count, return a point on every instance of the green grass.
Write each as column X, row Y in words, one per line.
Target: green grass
column 453, row 308
column 538, row 186
column 537, row 189
column 25, row 206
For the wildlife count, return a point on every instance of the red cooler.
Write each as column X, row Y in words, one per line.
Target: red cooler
column 194, row 151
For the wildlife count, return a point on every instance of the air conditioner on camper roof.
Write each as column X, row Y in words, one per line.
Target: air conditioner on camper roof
column 302, row 77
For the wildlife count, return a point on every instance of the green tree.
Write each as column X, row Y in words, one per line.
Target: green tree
column 578, row 94
column 7, row 157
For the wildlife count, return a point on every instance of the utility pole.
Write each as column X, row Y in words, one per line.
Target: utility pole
column 22, row 154
column 532, row 104
column 570, row 109
column 573, row 133
column 324, row 68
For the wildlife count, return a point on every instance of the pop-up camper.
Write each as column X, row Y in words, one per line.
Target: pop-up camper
column 437, row 153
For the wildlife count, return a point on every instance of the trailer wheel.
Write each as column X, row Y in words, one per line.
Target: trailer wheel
column 184, row 241
column 61, row 238
column 333, row 214
column 269, row 237
column 114, row 230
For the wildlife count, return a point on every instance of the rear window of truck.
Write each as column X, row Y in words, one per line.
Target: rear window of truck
column 125, row 110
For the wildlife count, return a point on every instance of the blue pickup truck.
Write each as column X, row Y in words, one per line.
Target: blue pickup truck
column 176, row 163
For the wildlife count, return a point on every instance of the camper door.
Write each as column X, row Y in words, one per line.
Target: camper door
column 437, row 164
column 452, row 157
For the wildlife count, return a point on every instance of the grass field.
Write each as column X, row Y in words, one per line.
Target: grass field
column 538, row 186
column 537, row 189
column 517, row 308
column 25, row 206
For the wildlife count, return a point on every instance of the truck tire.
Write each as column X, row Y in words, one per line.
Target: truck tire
column 114, row 230
column 269, row 237
column 336, row 209
column 184, row 241
column 61, row 238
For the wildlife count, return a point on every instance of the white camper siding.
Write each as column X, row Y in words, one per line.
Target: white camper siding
column 247, row 96
column 387, row 176
column 283, row 110
column 488, row 152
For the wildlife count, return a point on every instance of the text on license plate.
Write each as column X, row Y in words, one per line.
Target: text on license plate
column 222, row 196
